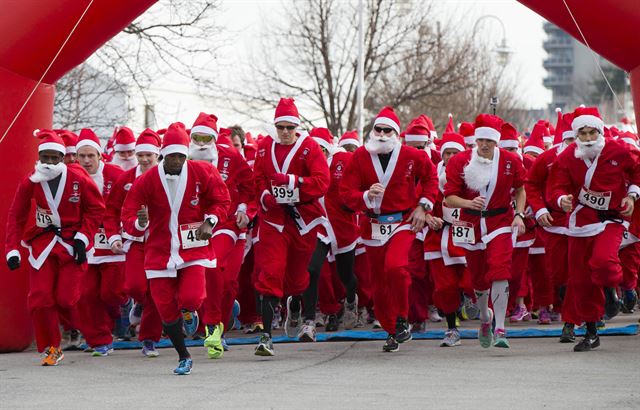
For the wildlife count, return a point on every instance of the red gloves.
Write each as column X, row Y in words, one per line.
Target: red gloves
column 281, row 179
column 269, row 202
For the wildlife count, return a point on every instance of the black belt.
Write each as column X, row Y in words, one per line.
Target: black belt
column 610, row 215
column 52, row 228
column 486, row 213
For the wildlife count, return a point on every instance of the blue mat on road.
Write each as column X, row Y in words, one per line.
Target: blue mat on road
column 351, row 335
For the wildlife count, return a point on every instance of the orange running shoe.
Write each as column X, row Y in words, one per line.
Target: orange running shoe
column 53, row 356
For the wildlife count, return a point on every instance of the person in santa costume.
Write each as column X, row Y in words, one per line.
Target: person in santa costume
column 466, row 129
column 480, row 181
column 595, row 180
column 349, row 141
column 291, row 175
column 70, row 140
column 103, row 284
column 68, row 211
column 176, row 205
column 338, row 235
column 446, row 260
column 136, row 284
column 553, row 221
column 124, row 149
column 229, row 237
column 396, row 187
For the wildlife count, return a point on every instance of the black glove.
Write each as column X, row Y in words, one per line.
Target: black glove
column 13, row 262
column 79, row 252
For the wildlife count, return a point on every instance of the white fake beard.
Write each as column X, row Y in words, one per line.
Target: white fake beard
column 442, row 179
column 589, row 150
column 125, row 164
column 207, row 153
column 477, row 173
column 46, row 172
column 381, row 145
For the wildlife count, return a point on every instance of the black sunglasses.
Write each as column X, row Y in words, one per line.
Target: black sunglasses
column 383, row 130
column 288, row 127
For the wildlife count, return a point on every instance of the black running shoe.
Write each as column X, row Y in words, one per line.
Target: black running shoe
column 588, row 343
column 331, row 324
column 403, row 330
column 630, row 298
column 391, row 345
column 568, row 334
column 611, row 302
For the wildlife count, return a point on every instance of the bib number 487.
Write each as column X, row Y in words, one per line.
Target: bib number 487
column 462, row 232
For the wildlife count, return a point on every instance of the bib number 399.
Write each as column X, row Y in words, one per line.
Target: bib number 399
column 188, row 236
column 283, row 195
column 462, row 232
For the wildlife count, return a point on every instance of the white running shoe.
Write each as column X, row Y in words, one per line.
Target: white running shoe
column 434, row 316
column 292, row 321
column 350, row 316
column 307, row 332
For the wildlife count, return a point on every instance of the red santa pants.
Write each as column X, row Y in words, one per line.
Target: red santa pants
column 630, row 261
column 54, row 290
column 222, row 281
column 391, row 279
column 186, row 291
column 283, row 259
column 556, row 248
column 363, row 273
column 421, row 288
column 518, row 280
column 595, row 264
column 136, row 285
column 491, row 264
column 247, row 293
column 447, row 280
column 541, row 280
column 102, row 295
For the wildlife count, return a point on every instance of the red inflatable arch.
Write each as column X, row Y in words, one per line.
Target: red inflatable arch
column 34, row 31
column 32, row 34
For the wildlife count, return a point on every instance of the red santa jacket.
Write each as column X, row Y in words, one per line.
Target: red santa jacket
column 439, row 244
column 305, row 159
column 75, row 212
column 113, row 214
column 238, row 177
column 171, row 243
column 606, row 179
column 528, row 238
column 507, row 173
column 410, row 178
column 341, row 230
column 536, row 187
column 101, row 251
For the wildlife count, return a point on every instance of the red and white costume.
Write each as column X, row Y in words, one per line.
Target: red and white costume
column 73, row 211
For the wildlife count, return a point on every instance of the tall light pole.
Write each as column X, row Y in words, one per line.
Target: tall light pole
column 360, row 73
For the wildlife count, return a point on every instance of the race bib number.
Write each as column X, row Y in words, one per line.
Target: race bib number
column 462, row 232
column 44, row 218
column 450, row 215
column 595, row 200
column 100, row 240
column 384, row 226
column 188, row 236
column 284, row 195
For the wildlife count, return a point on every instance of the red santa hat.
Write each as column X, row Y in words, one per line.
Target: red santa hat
column 420, row 129
column 450, row 127
column 388, row 117
column 587, row 117
column 508, row 136
column 224, row 137
column 175, row 140
column 629, row 138
column 488, row 126
column 49, row 140
column 287, row 111
column 148, row 141
column 125, row 140
column 467, row 130
column 323, row 137
column 205, row 124
column 349, row 137
column 70, row 140
column 563, row 128
column 546, row 132
column 248, row 138
column 535, row 143
column 452, row 140
column 88, row 138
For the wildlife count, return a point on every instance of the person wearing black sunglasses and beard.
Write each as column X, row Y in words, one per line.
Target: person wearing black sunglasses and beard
column 395, row 186
column 291, row 175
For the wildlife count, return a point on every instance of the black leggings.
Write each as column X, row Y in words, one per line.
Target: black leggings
column 344, row 265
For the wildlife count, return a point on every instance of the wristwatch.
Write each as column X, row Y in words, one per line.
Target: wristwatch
column 300, row 181
column 633, row 195
column 520, row 214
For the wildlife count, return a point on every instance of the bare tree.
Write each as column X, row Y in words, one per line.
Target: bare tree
column 410, row 61
column 174, row 37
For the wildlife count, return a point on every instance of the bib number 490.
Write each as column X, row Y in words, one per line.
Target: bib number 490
column 595, row 200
